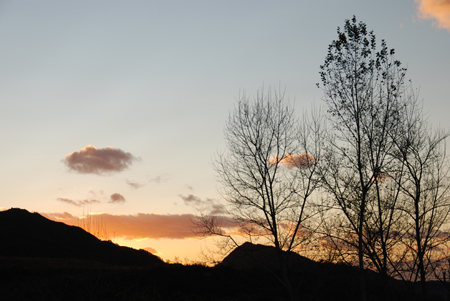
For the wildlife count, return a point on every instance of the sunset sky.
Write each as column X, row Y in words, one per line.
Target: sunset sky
column 117, row 108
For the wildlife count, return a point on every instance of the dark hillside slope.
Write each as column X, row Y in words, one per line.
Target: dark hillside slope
column 249, row 256
column 313, row 280
column 25, row 234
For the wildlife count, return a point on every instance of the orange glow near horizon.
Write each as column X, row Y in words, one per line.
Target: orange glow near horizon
column 166, row 236
column 133, row 227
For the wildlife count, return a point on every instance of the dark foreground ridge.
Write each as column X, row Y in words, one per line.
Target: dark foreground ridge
column 25, row 234
column 45, row 260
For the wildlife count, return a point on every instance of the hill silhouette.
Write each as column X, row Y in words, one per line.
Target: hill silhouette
column 42, row 259
column 25, row 234
column 251, row 256
column 315, row 280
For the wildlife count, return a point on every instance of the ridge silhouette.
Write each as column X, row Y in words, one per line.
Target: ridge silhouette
column 25, row 234
column 250, row 256
column 42, row 259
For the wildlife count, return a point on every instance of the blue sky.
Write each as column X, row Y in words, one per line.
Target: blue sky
column 157, row 79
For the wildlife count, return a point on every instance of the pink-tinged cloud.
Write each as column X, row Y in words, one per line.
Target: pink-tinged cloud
column 117, row 198
column 381, row 178
column 151, row 250
column 210, row 206
column 98, row 160
column 64, row 217
column 437, row 10
column 77, row 203
column 335, row 244
column 301, row 161
column 140, row 226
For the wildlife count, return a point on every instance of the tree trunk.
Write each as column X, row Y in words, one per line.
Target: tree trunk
column 362, row 273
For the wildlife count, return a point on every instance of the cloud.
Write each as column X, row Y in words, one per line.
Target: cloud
column 155, row 226
column 140, row 226
column 64, row 217
column 160, row 179
column 99, row 193
column 98, row 160
column 335, row 244
column 134, row 184
column 77, row 203
column 437, row 10
column 381, row 178
column 117, row 198
column 301, row 161
column 151, row 250
column 191, row 199
column 209, row 205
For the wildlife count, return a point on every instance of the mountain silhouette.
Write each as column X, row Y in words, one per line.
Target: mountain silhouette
column 250, row 256
column 25, row 234
column 42, row 259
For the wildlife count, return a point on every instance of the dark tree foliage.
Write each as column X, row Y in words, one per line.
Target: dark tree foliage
column 363, row 95
column 389, row 172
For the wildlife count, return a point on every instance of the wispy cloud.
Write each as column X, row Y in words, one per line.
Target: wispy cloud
column 100, row 194
column 117, row 198
column 437, row 10
column 134, row 184
column 64, row 217
column 160, row 179
column 157, row 180
column 77, row 203
column 210, row 206
column 98, row 160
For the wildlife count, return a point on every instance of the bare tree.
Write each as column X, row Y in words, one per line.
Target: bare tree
column 363, row 90
column 269, row 175
column 425, row 185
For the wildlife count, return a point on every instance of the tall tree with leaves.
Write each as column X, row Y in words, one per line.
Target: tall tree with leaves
column 363, row 89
